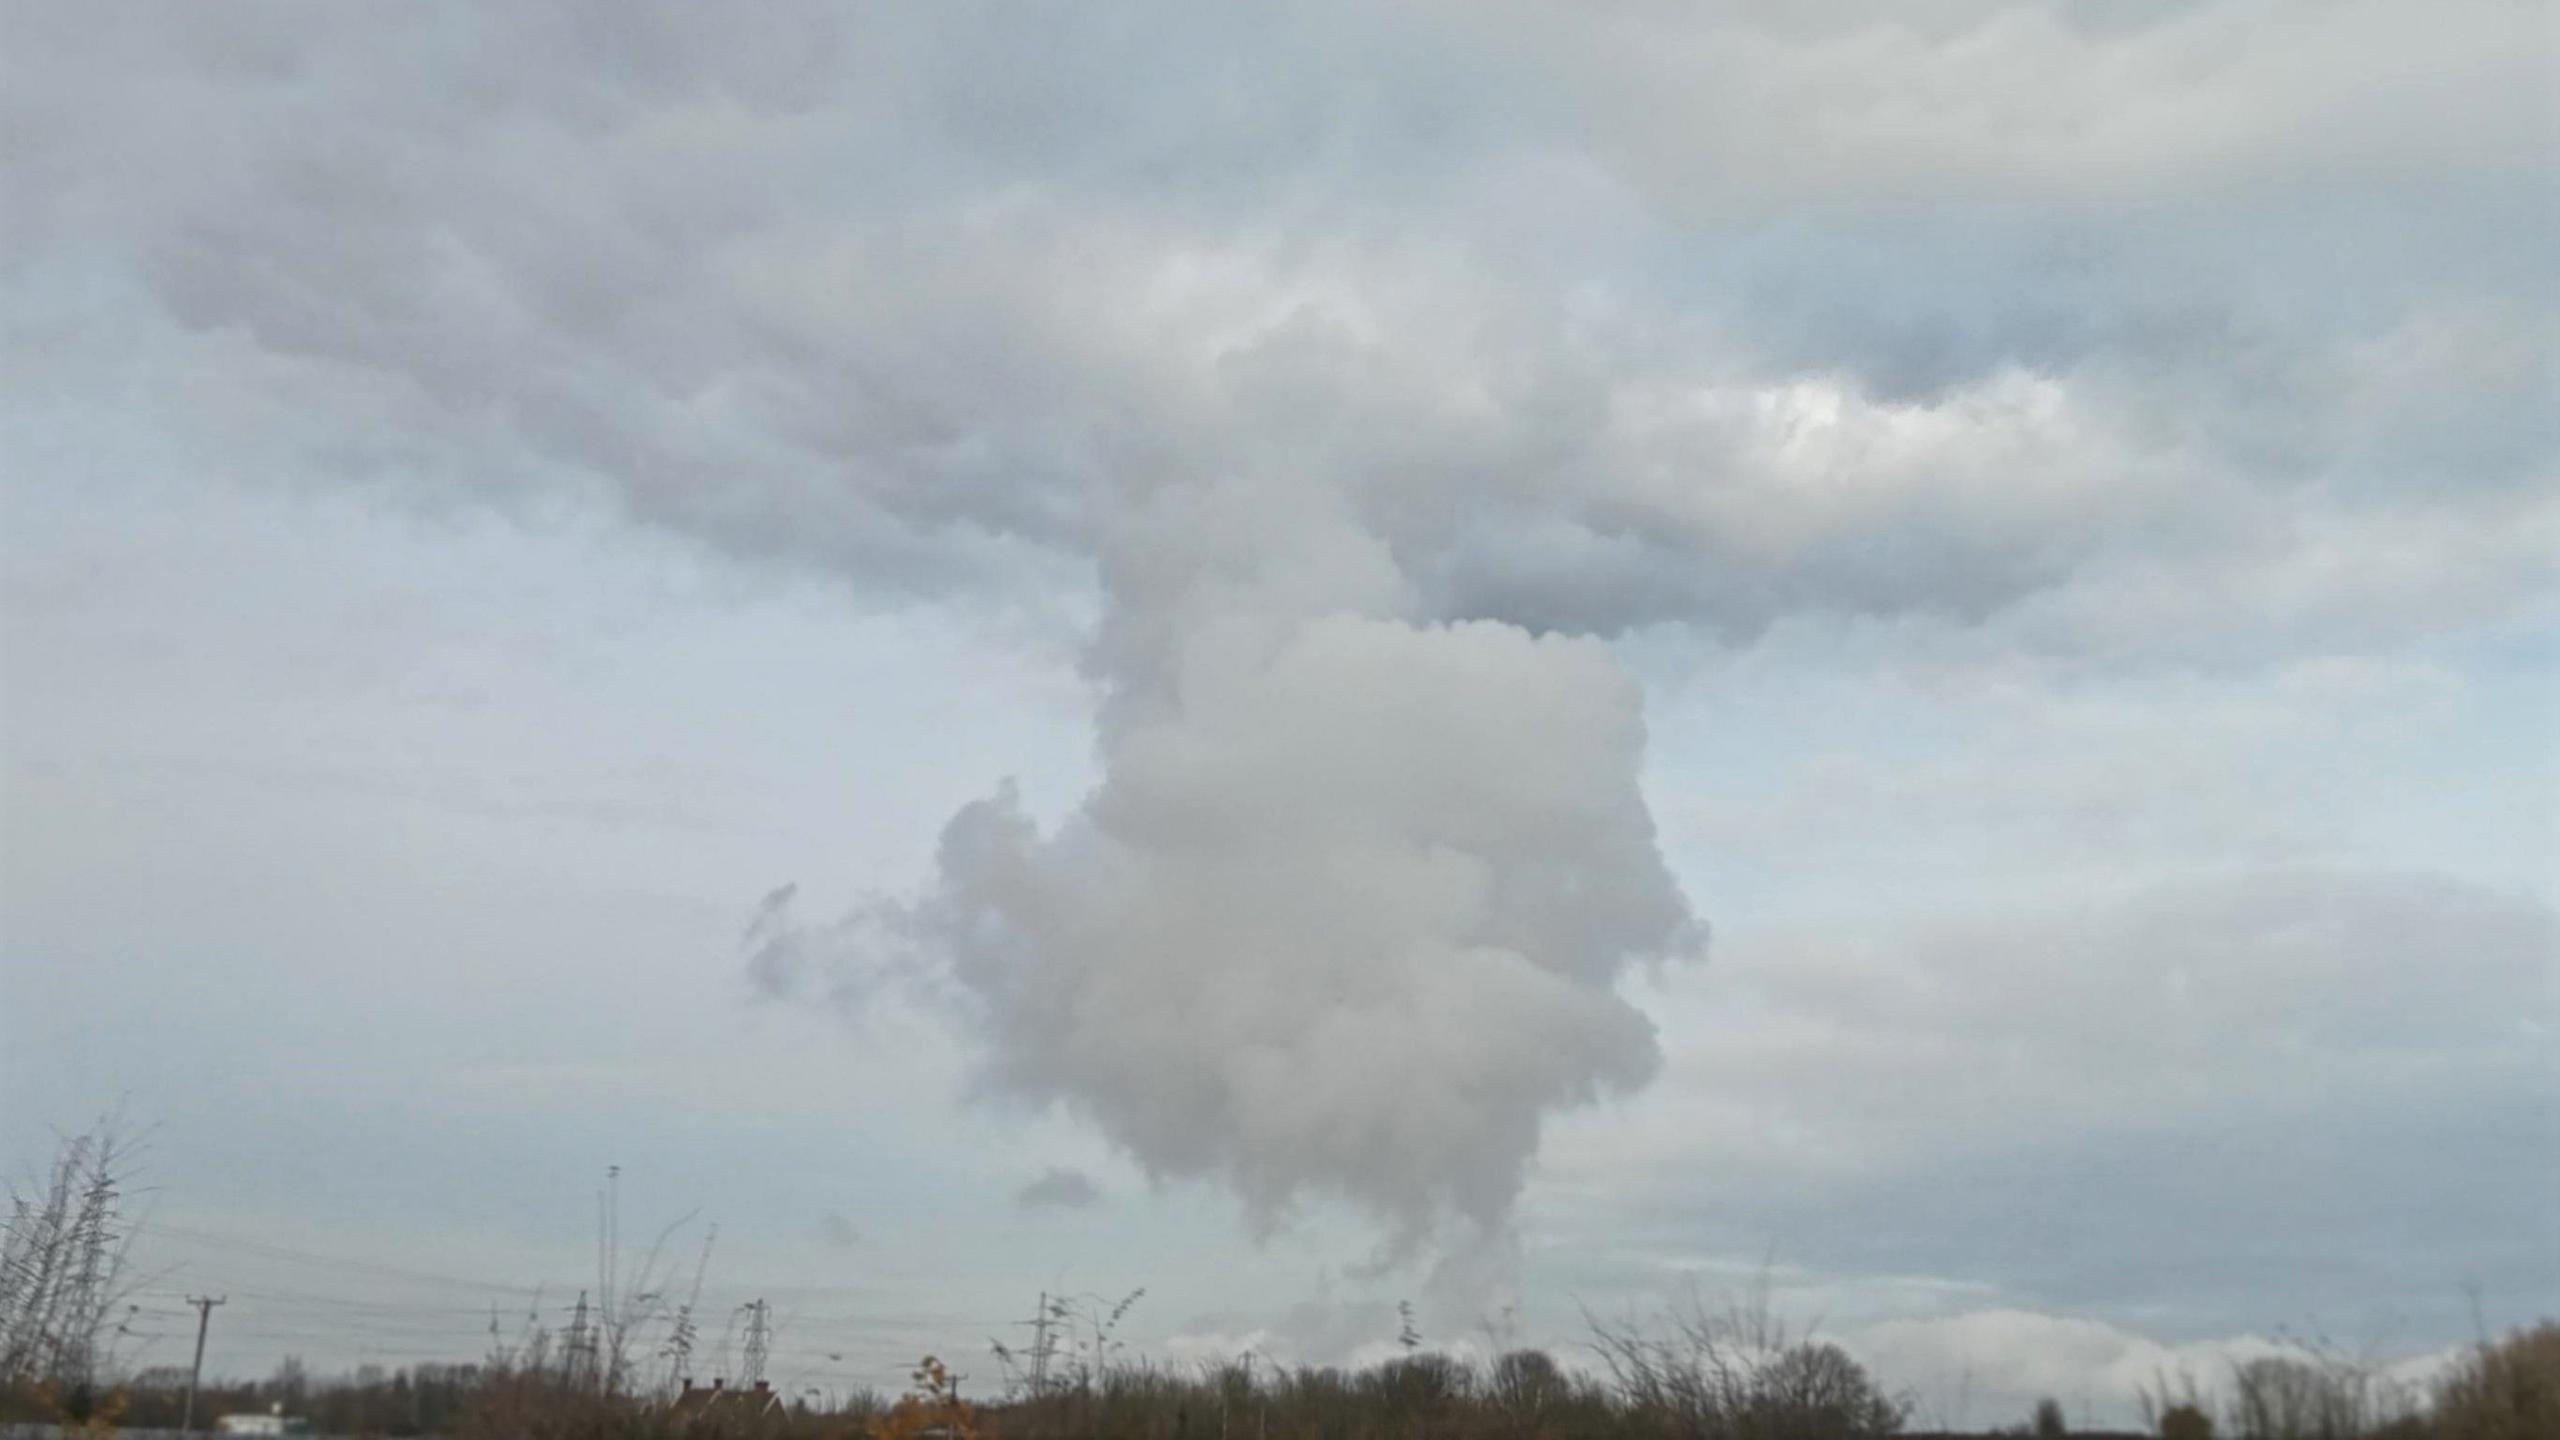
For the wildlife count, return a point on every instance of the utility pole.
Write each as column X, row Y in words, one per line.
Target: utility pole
column 204, row 1320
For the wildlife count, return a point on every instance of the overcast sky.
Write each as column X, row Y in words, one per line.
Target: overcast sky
column 1508, row 654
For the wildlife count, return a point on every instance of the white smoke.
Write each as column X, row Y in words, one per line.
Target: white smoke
column 1347, row 912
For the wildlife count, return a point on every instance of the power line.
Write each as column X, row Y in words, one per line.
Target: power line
column 338, row 1262
column 336, row 1302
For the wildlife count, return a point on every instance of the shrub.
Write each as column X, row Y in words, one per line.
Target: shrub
column 2185, row 1421
column 1814, row 1391
column 1524, row 1386
column 1736, row 1375
column 932, row 1406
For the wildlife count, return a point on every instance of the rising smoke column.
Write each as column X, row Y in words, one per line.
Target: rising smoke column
column 1346, row 914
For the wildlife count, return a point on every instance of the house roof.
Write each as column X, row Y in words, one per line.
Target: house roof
column 757, row 1399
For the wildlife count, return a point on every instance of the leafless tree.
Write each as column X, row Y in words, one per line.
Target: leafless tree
column 1739, row 1374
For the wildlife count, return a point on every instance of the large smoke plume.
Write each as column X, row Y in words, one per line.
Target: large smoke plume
column 1347, row 912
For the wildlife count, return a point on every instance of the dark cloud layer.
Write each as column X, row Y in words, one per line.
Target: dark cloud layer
column 923, row 300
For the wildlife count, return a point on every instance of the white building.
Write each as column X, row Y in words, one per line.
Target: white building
column 261, row 1425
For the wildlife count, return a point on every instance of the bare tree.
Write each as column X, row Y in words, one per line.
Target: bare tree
column 1739, row 1374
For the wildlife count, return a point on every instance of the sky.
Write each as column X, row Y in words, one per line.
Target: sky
column 1521, row 657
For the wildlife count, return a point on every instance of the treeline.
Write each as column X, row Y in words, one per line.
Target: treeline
column 1659, row 1383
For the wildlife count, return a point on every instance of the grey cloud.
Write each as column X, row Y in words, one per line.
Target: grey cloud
column 773, row 964
column 2383, row 1217
column 1058, row 1188
column 2260, row 987
column 1712, row 108
column 825, row 290
column 2329, row 1086
column 2316, row 960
